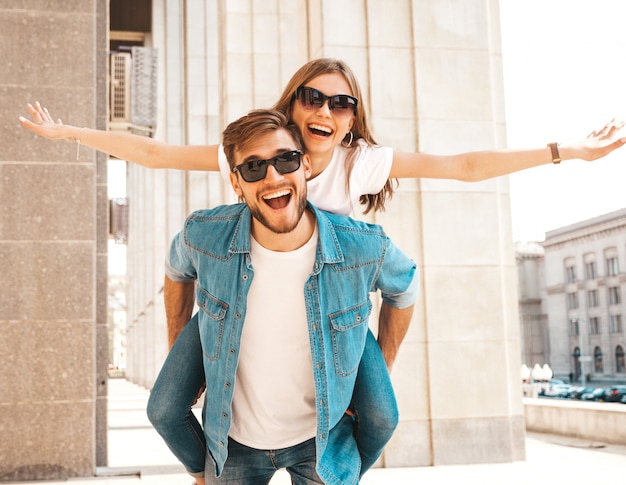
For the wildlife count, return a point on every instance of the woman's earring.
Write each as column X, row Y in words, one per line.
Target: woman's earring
column 343, row 142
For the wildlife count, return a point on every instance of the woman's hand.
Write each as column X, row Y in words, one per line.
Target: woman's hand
column 43, row 124
column 602, row 142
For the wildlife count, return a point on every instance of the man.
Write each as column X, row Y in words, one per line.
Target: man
column 283, row 296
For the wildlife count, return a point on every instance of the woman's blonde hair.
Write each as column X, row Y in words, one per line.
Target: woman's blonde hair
column 360, row 129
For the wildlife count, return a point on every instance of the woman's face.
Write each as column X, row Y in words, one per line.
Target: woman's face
column 322, row 128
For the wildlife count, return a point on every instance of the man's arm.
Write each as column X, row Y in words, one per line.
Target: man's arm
column 179, row 300
column 393, row 324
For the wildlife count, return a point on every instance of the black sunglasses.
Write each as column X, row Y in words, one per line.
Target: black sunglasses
column 256, row 170
column 311, row 99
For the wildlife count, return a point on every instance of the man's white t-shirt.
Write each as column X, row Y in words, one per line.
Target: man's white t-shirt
column 329, row 191
column 274, row 395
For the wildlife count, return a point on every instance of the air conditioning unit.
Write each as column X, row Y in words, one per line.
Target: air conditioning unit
column 120, row 87
column 133, row 91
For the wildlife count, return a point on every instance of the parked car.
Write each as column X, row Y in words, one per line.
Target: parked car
column 560, row 391
column 576, row 392
column 550, row 385
column 615, row 394
column 596, row 395
column 555, row 382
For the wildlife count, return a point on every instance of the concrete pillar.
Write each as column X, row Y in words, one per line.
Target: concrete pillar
column 53, row 244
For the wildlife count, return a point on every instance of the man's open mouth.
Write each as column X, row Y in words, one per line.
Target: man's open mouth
column 278, row 200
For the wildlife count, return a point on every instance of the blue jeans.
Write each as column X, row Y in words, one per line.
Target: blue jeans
column 172, row 396
column 374, row 405
column 249, row 466
column 182, row 375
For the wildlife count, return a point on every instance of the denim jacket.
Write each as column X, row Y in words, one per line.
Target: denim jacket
column 352, row 259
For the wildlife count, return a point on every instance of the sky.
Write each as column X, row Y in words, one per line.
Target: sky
column 564, row 64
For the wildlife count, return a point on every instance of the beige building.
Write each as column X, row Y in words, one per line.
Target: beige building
column 211, row 61
column 572, row 305
column 534, row 336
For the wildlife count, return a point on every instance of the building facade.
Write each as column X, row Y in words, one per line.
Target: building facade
column 534, row 336
column 572, row 305
column 585, row 281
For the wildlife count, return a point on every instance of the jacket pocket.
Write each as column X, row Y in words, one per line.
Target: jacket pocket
column 349, row 329
column 211, row 319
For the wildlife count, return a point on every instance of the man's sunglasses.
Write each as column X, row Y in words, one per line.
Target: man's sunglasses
column 313, row 99
column 256, row 170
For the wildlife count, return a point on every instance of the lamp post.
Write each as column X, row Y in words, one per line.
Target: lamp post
column 547, row 375
column 581, row 359
column 538, row 376
column 525, row 375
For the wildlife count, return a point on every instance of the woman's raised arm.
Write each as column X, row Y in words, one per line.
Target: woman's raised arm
column 142, row 150
column 475, row 166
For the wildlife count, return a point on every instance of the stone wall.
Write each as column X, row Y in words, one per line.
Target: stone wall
column 53, row 248
column 602, row 422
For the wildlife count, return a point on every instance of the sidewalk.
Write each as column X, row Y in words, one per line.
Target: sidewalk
column 138, row 456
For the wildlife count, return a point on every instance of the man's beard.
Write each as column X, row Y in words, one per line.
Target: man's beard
column 286, row 226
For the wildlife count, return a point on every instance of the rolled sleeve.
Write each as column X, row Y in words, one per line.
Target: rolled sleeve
column 407, row 297
column 399, row 278
column 178, row 264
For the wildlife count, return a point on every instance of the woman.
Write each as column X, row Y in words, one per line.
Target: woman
column 324, row 100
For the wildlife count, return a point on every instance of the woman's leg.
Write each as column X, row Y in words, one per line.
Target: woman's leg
column 374, row 405
column 173, row 395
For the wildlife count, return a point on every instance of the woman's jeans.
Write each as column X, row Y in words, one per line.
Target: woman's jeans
column 182, row 376
column 173, row 395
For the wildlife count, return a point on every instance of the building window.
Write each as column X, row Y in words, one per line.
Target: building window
column 620, row 366
column 597, row 361
column 615, row 297
column 594, row 326
column 612, row 266
column 591, row 271
column 575, row 327
column 592, row 298
column 572, row 301
column 615, row 323
column 570, row 274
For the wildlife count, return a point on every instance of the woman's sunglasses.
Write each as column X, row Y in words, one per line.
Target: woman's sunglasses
column 312, row 99
column 256, row 170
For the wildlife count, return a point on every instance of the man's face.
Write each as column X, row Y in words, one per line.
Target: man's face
column 278, row 200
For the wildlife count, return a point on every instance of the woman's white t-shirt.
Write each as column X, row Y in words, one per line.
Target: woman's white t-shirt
column 329, row 191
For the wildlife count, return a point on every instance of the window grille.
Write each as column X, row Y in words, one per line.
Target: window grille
column 143, row 106
column 120, row 87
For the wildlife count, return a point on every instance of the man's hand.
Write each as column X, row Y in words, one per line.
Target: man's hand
column 202, row 389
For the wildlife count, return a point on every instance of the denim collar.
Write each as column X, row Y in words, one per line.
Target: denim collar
column 328, row 249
